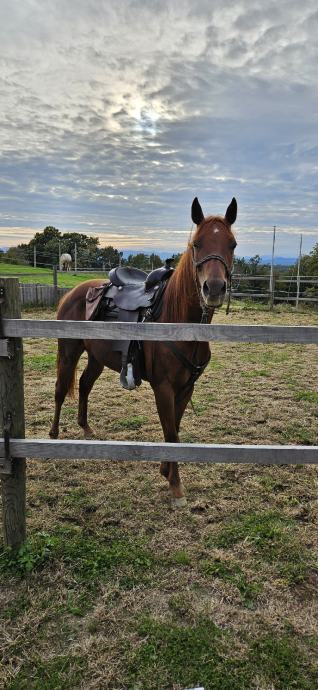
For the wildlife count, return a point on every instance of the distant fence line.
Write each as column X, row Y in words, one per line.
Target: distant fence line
column 49, row 295
column 40, row 294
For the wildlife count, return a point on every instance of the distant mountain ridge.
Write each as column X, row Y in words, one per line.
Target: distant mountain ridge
column 279, row 260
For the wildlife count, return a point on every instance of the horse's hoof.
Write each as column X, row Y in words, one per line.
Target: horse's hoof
column 178, row 502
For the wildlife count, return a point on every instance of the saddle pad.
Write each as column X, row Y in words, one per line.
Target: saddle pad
column 93, row 298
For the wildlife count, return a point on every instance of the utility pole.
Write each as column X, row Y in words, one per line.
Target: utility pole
column 298, row 271
column 75, row 258
column 271, row 280
column 34, row 256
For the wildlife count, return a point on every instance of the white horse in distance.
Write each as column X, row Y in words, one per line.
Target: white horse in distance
column 65, row 262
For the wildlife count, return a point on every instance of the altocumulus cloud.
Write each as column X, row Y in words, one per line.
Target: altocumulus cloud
column 115, row 114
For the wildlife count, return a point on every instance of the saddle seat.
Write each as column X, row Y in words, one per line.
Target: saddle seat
column 121, row 276
column 127, row 275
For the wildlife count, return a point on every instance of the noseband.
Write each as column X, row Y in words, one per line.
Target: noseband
column 197, row 264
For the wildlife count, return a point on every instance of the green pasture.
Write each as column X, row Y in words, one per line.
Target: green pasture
column 44, row 276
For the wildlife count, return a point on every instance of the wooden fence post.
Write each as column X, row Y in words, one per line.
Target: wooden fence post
column 55, row 284
column 12, row 418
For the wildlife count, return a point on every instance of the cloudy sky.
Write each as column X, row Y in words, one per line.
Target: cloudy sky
column 116, row 113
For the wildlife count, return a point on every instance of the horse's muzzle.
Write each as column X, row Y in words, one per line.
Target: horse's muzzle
column 213, row 292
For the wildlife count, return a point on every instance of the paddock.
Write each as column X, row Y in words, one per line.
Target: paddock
column 213, row 550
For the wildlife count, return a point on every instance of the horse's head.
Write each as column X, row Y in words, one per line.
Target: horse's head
column 213, row 246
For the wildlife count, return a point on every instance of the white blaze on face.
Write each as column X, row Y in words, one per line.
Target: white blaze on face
column 216, row 230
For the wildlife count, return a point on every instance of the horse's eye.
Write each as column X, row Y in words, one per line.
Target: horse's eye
column 233, row 244
column 195, row 245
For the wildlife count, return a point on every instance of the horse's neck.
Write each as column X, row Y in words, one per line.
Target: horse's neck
column 184, row 291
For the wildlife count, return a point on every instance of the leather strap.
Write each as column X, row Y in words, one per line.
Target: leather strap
column 209, row 257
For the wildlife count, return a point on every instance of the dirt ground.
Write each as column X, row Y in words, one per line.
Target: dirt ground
column 116, row 590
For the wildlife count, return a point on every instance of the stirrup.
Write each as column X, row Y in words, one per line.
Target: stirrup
column 127, row 378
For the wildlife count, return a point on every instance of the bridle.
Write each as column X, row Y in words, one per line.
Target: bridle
column 229, row 271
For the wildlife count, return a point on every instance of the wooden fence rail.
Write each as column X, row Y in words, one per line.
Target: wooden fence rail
column 14, row 447
column 99, row 330
column 134, row 451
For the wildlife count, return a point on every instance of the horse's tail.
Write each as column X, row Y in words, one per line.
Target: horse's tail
column 73, row 383
column 60, row 372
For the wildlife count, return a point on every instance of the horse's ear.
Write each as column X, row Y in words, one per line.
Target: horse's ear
column 231, row 212
column 196, row 212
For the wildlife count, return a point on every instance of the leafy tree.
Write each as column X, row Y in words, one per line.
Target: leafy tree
column 145, row 262
column 47, row 246
column 109, row 257
column 308, row 267
column 250, row 267
column 17, row 255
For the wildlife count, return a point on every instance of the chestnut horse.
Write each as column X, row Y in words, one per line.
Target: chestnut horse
column 196, row 288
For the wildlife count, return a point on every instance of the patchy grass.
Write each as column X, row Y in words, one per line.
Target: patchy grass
column 232, row 572
column 88, row 558
column 309, row 396
column 53, row 674
column 40, row 362
column 132, row 422
column 113, row 589
column 171, row 655
column 274, row 538
column 185, row 656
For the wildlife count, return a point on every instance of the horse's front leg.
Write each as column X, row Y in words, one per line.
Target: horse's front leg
column 165, row 400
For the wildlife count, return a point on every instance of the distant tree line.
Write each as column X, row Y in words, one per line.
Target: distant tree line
column 50, row 243
column 255, row 267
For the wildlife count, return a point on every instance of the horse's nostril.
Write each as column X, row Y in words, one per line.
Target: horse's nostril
column 206, row 290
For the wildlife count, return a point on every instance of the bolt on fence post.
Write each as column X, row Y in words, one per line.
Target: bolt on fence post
column 12, row 408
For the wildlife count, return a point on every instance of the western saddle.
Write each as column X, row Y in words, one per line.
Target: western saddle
column 130, row 295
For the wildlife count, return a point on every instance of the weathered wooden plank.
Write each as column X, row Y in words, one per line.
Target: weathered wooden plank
column 156, row 452
column 46, row 295
column 12, row 414
column 159, row 331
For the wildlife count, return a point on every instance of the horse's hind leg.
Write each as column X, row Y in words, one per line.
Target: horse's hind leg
column 92, row 371
column 69, row 352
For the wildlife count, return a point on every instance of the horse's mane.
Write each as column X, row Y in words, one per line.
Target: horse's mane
column 180, row 291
